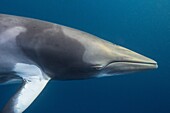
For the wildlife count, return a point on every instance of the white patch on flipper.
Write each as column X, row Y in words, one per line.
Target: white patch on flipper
column 34, row 81
column 28, row 94
column 11, row 33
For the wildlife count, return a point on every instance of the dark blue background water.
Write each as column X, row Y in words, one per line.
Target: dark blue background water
column 140, row 25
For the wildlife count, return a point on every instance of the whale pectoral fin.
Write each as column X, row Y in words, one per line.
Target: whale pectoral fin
column 25, row 96
column 33, row 82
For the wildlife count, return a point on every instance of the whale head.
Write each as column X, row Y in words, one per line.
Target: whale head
column 106, row 58
column 112, row 59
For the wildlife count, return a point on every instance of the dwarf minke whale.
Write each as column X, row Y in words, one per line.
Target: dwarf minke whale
column 34, row 52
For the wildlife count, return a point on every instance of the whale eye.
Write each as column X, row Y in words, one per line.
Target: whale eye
column 98, row 67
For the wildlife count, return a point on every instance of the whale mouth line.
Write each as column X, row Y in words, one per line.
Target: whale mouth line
column 136, row 62
column 153, row 64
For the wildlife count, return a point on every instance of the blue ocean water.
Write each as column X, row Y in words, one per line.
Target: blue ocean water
column 140, row 25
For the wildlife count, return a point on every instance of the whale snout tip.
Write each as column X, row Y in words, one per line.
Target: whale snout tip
column 154, row 63
column 156, row 66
